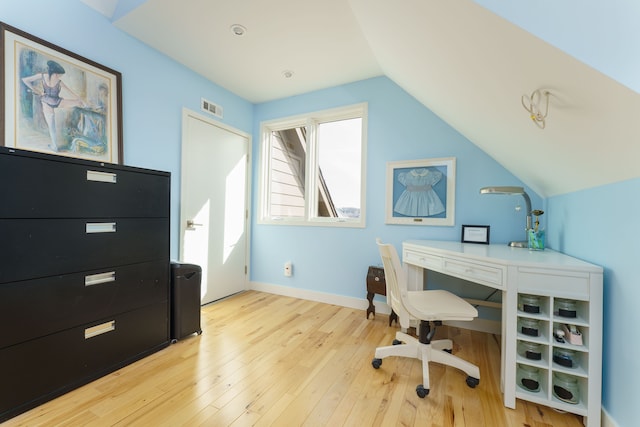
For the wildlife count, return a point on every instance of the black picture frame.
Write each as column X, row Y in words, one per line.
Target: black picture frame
column 55, row 101
column 475, row 234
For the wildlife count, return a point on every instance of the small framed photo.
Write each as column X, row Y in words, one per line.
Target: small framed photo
column 421, row 192
column 475, row 234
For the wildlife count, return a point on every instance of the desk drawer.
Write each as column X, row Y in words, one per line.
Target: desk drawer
column 564, row 284
column 490, row 275
column 428, row 261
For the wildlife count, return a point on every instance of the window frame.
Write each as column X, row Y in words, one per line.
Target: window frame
column 310, row 121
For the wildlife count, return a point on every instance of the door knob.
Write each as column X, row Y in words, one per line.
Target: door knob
column 191, row 224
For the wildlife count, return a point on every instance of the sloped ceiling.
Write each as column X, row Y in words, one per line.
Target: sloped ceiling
column 466, row 64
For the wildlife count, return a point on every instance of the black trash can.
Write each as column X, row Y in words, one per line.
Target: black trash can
column 185, row 300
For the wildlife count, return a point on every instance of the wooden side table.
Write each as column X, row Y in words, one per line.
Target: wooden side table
column 377, row 285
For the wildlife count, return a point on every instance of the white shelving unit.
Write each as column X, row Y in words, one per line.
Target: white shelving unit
column 586, row 366
column 550, row 322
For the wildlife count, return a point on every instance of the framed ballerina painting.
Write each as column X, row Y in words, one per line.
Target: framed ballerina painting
column 54, row 101
column 421, row 192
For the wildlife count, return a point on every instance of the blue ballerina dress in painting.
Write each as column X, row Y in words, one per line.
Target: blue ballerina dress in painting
column 419, row 199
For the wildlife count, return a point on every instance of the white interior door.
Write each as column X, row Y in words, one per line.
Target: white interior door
column 214, row 204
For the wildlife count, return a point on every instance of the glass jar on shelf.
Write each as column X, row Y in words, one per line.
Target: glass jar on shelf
column 530, row 327
column 567, row 307
column 530, row 350
column 528, row 377
column 565, row 357
column 529, row 303
column 566, row 388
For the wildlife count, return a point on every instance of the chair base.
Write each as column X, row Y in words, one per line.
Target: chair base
column 436, row 351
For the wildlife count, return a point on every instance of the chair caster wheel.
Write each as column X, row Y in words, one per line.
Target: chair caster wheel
column 472, row 382
column 376, row 363
column 421, row 391
column 396, row 342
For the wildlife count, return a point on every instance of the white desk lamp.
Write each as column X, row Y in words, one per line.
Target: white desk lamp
column 513, row 191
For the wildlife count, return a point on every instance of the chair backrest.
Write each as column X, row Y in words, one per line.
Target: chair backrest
column 394, row 276
column 442, row 305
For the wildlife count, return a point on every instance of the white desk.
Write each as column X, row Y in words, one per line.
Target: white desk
column 547, row 274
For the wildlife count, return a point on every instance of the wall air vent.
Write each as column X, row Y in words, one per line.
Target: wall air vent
column 211, row 108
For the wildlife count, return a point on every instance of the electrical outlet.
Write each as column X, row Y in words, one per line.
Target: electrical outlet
column 288, row 269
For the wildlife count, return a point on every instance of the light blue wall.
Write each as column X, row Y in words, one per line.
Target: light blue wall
column 335, row 260
column 155, row 88
column 600, row 225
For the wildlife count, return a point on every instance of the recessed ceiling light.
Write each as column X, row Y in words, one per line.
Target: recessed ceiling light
column 238, row 30
column 287, row 74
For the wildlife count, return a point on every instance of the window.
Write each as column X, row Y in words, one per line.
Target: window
column 313, row 168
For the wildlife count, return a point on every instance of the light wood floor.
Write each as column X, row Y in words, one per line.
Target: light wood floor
column 271, row 360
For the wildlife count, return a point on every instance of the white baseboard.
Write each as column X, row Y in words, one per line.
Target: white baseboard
column 343, row 301
column 482, row 325
column 607, row 421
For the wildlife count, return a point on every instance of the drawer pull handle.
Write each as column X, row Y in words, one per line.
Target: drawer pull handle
column 96, row 279
column 101, row 227
column 100, row 329
column 96, row 176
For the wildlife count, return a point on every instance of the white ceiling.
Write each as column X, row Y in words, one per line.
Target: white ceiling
column 466, row 64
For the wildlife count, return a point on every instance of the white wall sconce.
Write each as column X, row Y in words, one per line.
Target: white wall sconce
column 533, row 106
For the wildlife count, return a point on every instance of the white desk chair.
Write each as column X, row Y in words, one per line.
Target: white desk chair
column 426, row 306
